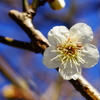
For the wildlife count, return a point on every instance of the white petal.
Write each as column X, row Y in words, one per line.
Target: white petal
column 68, row 72
column 91, row 56
column 48, row 55
column 64, row 30
column 83, row 32
column 57, row 33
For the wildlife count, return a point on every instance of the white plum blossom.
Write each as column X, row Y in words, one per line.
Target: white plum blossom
column 70, row 50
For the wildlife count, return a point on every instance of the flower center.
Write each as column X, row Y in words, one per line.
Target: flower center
column 69, row 51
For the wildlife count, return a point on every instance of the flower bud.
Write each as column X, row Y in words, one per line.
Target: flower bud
column 56, row 4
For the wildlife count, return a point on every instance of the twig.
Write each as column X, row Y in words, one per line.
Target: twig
column 16, row 43
column 39, row 42
column 35, row 4
column 25, row 5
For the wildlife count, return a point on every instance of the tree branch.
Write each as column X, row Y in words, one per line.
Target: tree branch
column 24, row 20
column 16, row 43
column 35, row 4
column 25, row 5
column 85, row 88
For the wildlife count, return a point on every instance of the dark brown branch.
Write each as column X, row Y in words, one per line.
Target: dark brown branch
column 85, row 88
column 18, row 81
column 24, row 20
column 16, row 43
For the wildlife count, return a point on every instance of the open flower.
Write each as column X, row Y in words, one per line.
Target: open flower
column 70, row 50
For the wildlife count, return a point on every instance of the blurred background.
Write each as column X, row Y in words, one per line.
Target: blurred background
column 46, row 82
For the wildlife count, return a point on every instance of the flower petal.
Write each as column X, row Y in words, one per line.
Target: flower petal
column 57, row 35
column 64, row 30
column 83, row 32
column 70, row 72
column 91, row 56
column 48, row 55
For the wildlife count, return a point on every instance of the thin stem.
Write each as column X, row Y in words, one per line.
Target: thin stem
column 16, row 43
column 35, row 4
column 25, row 5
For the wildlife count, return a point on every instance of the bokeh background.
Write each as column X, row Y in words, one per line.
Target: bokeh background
column 46, row 82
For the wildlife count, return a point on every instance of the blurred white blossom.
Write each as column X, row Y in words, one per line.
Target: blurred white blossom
column 70, row 50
